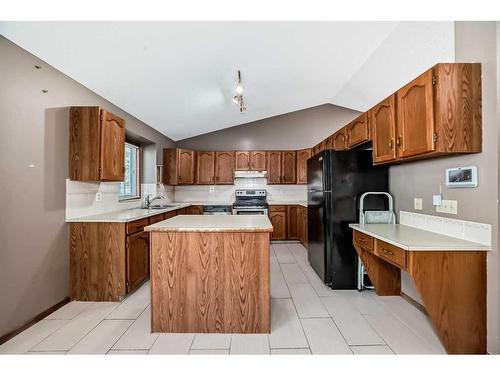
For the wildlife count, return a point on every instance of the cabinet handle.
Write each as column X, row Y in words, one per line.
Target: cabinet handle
column 361, row 240
column 398, row 141
column 387, row 252
column 391, row 144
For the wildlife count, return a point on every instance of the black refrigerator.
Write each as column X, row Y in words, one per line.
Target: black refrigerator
column 335, row 181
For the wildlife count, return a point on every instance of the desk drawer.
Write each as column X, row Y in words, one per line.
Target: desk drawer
column 393, row 254
column 137, row 225
column 363, row 240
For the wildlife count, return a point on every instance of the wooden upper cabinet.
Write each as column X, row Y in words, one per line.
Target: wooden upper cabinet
column 250, row 160
column 274, row 167
column 302, row 156
column 339, row 140
column 328, row 143
column 179, row 166
column 415, row 117
column 242, row 160
column 186, row 161
column 224, row 167
column 383, row 130
column 205, row 167
column 258, row 160
column 96, row 145
column 358, row 131
column 289, row 167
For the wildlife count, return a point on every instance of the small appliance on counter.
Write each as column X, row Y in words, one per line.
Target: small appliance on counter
column 250, row 202
column 335, row 181
column 216, row 210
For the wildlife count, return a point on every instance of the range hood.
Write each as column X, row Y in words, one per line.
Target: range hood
column 250, row 174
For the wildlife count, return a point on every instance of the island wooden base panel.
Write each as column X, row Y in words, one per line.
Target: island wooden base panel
column 452, row 285
column 210, row 282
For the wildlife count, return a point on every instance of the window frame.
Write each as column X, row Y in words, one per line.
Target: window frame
column 138, row 195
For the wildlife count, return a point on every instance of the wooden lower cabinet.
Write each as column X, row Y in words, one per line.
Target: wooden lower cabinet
column 191, row 210
column 277, row 216
column 302, row 225
column 289, row 222
column 292, row 222
column 109, row 260
column 137, row 256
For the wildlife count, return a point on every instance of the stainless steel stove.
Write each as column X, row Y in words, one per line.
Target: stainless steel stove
column 250, row 202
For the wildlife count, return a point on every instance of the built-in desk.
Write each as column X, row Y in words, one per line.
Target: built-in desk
column 449, row 273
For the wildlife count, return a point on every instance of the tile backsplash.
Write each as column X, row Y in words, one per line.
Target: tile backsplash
column 466, row 230
column 81, row 197
column 225, row 193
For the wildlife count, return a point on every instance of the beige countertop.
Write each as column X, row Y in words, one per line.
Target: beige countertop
column 124, row 216
column 285, row 203
column 213, row 223
column 414, row 239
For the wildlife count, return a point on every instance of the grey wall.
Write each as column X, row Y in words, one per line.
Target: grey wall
column 475, row 42
column 34, row 268
column 290, row 131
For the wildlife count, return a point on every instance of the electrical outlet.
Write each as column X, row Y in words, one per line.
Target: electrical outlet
column 417, row 203
column 448, row 207
column 98, row 196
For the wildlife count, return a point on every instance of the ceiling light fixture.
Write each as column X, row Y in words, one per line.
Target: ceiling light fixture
column 238, row 98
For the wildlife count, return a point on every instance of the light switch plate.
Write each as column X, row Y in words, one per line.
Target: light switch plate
column 448, row 207
column 417, row 203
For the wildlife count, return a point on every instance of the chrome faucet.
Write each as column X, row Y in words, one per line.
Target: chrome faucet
column 148, row 201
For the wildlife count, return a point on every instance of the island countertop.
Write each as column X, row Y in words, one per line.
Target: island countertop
column 213, row 223
column 414, row 239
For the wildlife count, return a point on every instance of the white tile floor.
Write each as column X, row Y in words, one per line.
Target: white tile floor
column 306, row 318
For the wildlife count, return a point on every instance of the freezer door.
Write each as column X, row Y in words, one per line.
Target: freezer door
column 316, row 233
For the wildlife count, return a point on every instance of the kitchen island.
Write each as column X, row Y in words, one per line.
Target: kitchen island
column 210, row 274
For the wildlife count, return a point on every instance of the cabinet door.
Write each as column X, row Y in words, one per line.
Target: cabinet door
column 288, row 168
column 292, row 216
column 242, row 162
column 305, row 227
column 274, row 167
column 358, row 131
column 224, row 168
column 112, row 147
column 137, row 259
column 185, row 167
column 278, row 220
column 383, row 124
column 328, row 143
column 300, row 227
column 205, row 167
column 258, row 160
column 415, row 117
column 192, row 210
column 339, row 140
column 302, row 157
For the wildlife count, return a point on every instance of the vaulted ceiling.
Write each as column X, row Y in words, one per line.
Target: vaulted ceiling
column 179, row 77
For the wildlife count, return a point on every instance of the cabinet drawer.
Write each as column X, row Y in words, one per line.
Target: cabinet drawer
column 156, row 218
column 363, row 240
column 391, row 253
column 170, row 214
column 137, row 225
column 277, row 208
